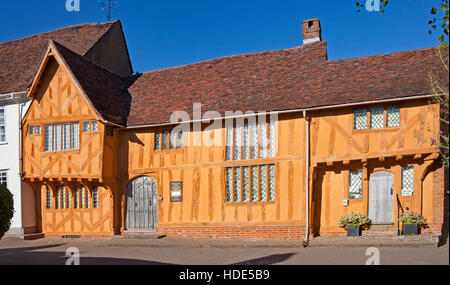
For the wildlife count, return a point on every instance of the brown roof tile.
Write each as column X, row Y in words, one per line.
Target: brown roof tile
column 293, row 78
column 20, row 59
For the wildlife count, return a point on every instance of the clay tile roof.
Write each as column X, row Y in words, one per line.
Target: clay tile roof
column 20, row 59
column 106, row 91
column 300, row 77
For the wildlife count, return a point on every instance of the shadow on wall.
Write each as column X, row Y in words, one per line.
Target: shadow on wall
column 38, row 256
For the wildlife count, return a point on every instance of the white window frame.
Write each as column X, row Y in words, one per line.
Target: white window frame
column 4, row 126
column 4, row 173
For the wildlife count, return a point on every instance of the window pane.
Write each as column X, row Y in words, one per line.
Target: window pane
column 57, row 137
column 83, row 197
column 88, row 201
column 165, row 140
column 95, row 197
column 173, row 136
column 237, row 184
column 66, row 136
column 58, row 198
column 64, row 195
column 360, row 119
column 355, row 184
column 237, row 142
column 157, row 140
column 94, row 126
column 3, row 178
column 254, row 143
column 272, row 182
column 229, row 150
column 246, row 142
column 180, row 139
column 77, row 197
column 48, row 199
column 229, row 185
column 2, row 134
column 377, row 118
column 38, row 130
column 263, row 182
column 86, row 127
column 75, row 136
column 2, row 117
column 393, row 116
column 246, row 183
column 48, row 137
column 254, row 183
column 408, row 181
column 31, row 130
column 262, row 140
column 272, row 138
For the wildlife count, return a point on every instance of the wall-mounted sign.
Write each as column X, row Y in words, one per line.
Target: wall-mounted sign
column 176, row 191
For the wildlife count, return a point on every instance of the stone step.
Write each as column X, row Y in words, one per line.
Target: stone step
column 139, row 236
column 33, row 236
column 379, row 233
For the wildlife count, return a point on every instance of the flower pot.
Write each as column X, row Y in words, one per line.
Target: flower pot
column 410, row 230
column 353, row 231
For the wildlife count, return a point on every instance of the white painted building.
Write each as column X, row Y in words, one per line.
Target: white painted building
column 12, row 108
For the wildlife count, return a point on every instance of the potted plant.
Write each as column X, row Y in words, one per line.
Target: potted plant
column 411, row 222
column 354, row 223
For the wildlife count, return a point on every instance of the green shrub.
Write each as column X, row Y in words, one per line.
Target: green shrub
column 6, row 210
column 412, row 218
column 355, row 220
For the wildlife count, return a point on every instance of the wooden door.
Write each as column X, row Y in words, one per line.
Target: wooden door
column 381, row 197
column 141, row 214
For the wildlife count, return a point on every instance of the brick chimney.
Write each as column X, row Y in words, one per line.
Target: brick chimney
column 311, row 31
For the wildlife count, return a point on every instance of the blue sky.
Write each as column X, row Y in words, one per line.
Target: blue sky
column 164, row 34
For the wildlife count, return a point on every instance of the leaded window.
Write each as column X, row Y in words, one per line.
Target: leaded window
column 237, row 184
column 272, row 138
column 58, row 198
column 229, row 142
column 157, row 140
column 75, row 135
column 408, row 181
column 250, row 183
column 254, row 140
column 237, row 142
column 393, row 116
column 48, row 198
column 229, row 184
column 180, row 139
column 355, row 184
column 95, row 197
column 246, row 142
column 61, row 136
column 262, row 140
column 360, row 119
column 246, row 183
column 271, row 182
column 173, row 137
column 377, row 117
column 165, row 140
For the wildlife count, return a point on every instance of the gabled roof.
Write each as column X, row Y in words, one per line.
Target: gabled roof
column 295, row 78
column 20, row 59
column 104, row 91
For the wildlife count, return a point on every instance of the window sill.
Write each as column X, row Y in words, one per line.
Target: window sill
column 250, row 203
column 365, row 131
column 3, row 143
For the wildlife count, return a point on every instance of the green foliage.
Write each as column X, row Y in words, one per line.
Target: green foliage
column 354, row 219
column 6, row 210
column 412, row 218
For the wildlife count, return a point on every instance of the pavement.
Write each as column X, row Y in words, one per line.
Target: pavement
column 185, row 251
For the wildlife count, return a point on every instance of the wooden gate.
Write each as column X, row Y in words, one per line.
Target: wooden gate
column 141, row 214
column 381, row 197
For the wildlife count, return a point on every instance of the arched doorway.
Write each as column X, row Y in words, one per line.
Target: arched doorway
column 381, row 198
column 141, row 205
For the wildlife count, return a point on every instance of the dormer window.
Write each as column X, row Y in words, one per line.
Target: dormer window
column 378, row 117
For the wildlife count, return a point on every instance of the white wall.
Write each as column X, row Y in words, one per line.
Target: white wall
column 9, row 161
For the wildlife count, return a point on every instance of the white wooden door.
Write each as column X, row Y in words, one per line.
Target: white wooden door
column 381, row 197
column 141, row 212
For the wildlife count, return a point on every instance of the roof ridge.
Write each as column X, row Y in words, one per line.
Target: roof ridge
column 59, row 29
column 384, row 54
column 232, row 56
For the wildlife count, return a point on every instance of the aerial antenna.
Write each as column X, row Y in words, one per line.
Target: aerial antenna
column 108, row 7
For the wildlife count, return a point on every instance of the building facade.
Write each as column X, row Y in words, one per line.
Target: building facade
column 277, row 144
column 20, row 59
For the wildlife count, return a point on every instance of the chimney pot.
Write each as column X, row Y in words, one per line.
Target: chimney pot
column 311, row 31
